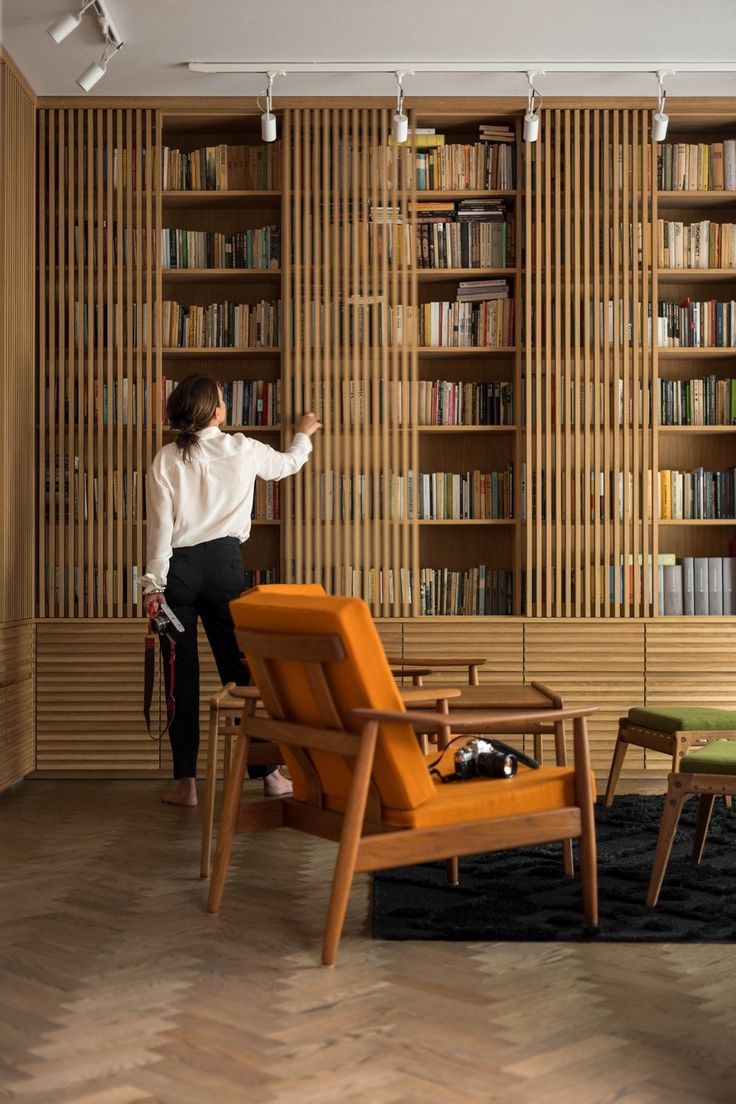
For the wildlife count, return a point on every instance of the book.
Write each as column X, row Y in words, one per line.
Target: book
column 729, row 585
column 673, row 601
column 688, row 585
column 700, row 584
column 715, row 585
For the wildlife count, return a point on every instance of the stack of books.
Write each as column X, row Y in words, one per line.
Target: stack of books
column 698, row 585
column 252, row 248
column 455, row 403
column 697, row 245
column 697, row 167
column 697, row 494
column 692, row 324
column 694, row 402
column 222, row 168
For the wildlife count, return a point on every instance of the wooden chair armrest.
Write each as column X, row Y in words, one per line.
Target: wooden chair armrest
column 475, row 721
column 428, row 695
column 244, row 693
column 435, row 661
column 553, row 697
column 222, row 694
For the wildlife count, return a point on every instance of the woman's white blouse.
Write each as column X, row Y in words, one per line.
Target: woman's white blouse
column 211, row 494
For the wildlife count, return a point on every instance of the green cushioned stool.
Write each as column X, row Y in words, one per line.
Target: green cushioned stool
column 709, row 772
column 674, row 731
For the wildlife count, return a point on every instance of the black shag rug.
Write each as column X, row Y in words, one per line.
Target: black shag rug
column 522, row 895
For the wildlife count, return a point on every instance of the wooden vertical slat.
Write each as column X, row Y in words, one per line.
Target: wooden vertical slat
column 654, row 404
column 588, row 489
column 152, row 309
column 66, row 534
column 627, row 352
column 551, row 568
column 92, row 353
column 578, row 316
column 46, row 417
column 311, row 304
column 56, row 312
column 328, row 389
column 555, row 507
column 610, row 403
column 312, row 552
column 84, row 340
column 636, row 373
column 136, row 258
column 288, row 515
column 115, row 172
column 567, row 361
column 412, row 337
column 541, row 569
column 599, row 423
column 107, row 492
column 529, row 505
column 616, row 341
column 131, row 341
column 647, row 227
column 102, row 266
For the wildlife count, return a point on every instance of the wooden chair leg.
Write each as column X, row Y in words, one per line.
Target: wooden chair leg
column 228, row 823
column 585, row 797
column 227, row 756
column 349, row 842
column 444, row 735
column 705, row 808
column 667, row 829
column 538, row 747
column 619, row 754
column 728, row 801
column 210, row 782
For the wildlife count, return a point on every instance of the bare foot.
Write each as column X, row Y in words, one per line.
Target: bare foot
column 275, row 785
column 183, row 793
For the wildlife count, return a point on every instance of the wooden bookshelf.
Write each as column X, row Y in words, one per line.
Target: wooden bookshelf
column 578, row 638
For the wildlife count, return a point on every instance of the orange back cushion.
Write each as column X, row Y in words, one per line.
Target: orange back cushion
column 315, row 589
column 362, row 680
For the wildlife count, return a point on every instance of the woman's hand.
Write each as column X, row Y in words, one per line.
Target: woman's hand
column 308, row 424
column 152, row 603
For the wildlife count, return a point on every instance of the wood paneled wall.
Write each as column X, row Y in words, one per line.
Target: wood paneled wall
column 349, row 297
column 17, row 417
column 589, row 291
column 99, row 414
column 17, row 378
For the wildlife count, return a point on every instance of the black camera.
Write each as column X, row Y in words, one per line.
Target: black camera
column 160, row 623
column 480, row 759
column 164, row 620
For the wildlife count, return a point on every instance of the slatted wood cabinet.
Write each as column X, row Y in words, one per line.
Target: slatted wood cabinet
column 581, row 449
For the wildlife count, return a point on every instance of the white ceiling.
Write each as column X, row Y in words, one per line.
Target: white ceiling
column 163, row 35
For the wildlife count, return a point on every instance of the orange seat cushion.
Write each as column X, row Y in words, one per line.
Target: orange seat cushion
column 530, row 791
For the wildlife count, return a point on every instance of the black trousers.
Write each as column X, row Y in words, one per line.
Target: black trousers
column 202, row 580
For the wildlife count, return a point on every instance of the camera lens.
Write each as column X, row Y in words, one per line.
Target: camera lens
column 494, row 764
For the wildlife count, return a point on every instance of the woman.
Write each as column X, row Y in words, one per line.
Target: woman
column 200, row 497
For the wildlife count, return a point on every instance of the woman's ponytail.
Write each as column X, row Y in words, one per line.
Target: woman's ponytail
column 191, row 407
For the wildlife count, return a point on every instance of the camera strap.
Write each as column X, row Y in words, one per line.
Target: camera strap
column 149, row 672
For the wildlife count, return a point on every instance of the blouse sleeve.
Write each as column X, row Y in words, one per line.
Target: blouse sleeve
column 271, row 464
column 160, row 529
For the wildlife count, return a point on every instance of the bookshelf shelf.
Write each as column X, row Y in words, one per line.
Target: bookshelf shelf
column 466, row 521
column 218, row 198
column 709, row 522
column 696, row 199
column 214, row 351
column 464, row 350
column 696, row 430
column 666, row 353
column 468, row 193
column 695, row 275
column 436, row 275
column 507, row 429
column 219, row 275
column 247, row 429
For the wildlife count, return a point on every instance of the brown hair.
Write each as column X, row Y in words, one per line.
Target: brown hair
column 190, row 407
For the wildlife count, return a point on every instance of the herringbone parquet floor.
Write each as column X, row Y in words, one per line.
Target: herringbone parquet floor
column 118, row 988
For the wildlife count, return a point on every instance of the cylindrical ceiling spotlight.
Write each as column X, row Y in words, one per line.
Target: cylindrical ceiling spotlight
column 400, row 121
column 67, row 23
column 96, row 71
column 269, row 129
column 531, row 119
column 660, row 119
